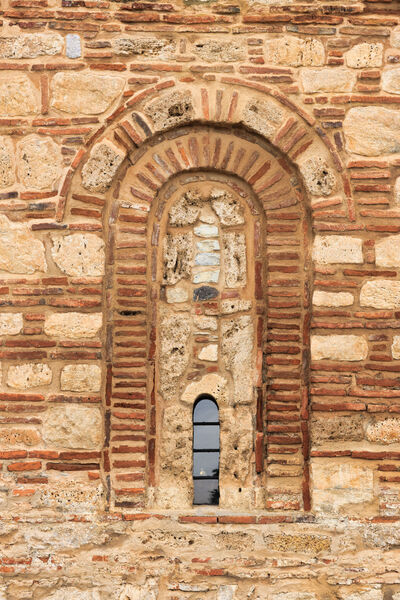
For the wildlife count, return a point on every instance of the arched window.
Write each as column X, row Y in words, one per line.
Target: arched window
column 206, row 451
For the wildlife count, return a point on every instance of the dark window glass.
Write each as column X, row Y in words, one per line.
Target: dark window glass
column 206, row 451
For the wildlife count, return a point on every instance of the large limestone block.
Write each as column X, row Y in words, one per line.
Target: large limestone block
column 364, row 55
column 73, row 325
column 234, row 245
column 295, row 52
column 372, row 130
column 331, row 249
column 237, row 349
column 264, row 116
column 339, row 347
column 318, row 176
column 7, row 162
column 31, row 45
column 321, row 298
column 185, row 210
column 381, row 293
column 335, row 485
column 219, row 51
column 18, row 95
column 228, row 209
column 177, row 258
column 79, row 254
column 386, row 431
column 29, row 375
column 174, row 352
column 391, row 81
column 327, row 80
column 395, row 37
column 98, row 173
column 10, row 323
column 171, row 109
column 39, row 162
column 85, row 93
column 73, row 426
column 387, row 252
column 145, row 47
column 20, row 251
column 81, row 378
column 72, row 593
column 396, row 191
column 396, row 347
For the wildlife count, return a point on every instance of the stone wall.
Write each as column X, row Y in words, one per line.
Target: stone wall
column 199, row 198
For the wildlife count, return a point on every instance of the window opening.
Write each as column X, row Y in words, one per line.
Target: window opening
column 206, row 450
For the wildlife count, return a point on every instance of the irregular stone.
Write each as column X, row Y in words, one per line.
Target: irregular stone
column 209, row 352
column 98, row 173
column 226, row 592
column 171, row 109
column 210, row 323
column 85, row 93
column 364, row 55
column 396, row 347
column 10, row 323
column 73, row 47
column 18, row 95
column 73, row 325
column 307, row 543
column 397, row 192
column 332, row 249
column 228, row 209
column 384, row 432
column 7, row 162
column 327, row 80
column 380, row 293
column 237, row 347
column 321, row 298
column 206, row 277
column 330, row 428
column 372, row 130
column 395, row 37
column 207, row 259
column 79, row 254
column 319, row 178
column 81, row 378
column 391, row 81
column 205, row 292
column 19, row 437
column 174, row 351
column 219, row 51
column 362, row 594
column 235, row 259
column 29, row 375
column 387, row 251
column 177, row 259
column 186, row 210
column 207, row 245
column 31, row 45
column 177, row 295
column 339, row 347
column 295, row 52
column 146, row 47
column 20, row 251
column 73, row 426
column 72, row 593
column 263, row 116
column 234, row 305
column 337, row 485
column 39, row 162
column 72, row 496
column 206, row 230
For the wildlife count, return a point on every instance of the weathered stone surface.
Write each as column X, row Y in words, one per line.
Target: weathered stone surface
column 85, row 93
column 396, row 190
column 98, row 173
column 7, row 162
column 31, row 45
column 81, row 378
column 395, row 37
column 172, row 109
column 20, row 251
column 175, row 333
column 73, row 325
column 295, row 52
column 205, row 292
column 73, row 593
column 339, row 347
column 29, row 375
column 73, row 48
column 19, row 437
column 396, row 347
column 39, row 162
column 206, row 323
column 235, row 259
column 228, row 209
column 18, row 95
column 372, row 130
column 327, row 80
column 331, row 249
column 206, row 230
column 79, row 254
column 365, row 55
column 234, row 305
column 209, row 352
column 177, row 294
column 337, row 485
column 73, row 426
column 386, row 431
column 206, row 276
column 387, row 251
column 72, row 496
column 186, row 210
column 381, row 293
column 321, row 298
column 219, row 51
column 329, row 428
column 10, row 323
column 307, row 543
column 318, row 176
column 237, row 347
column 207, row 259
column 145, row 47
column 391, row 81
column 178, row 255
column 263, row 116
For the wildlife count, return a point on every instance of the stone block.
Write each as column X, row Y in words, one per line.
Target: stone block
column 174, row 351
column 73, row 593
column 228, row 209
column 85, row 93
column 39, row 162
column 295, row 52
column 380, row 293
column 205, row 323
column 10, row 323
column 395, row 37
column 73, row 325
column 73, row 48
column 177, row 295
column 391, row 80
column 209, row 352
column 145, row 47
column 99, row 171
column 19, row 437
column 338, row 485
column 177, row 257
column 235, row 262
column 7, row 162
column 321, row 298
column 339, row 347
column 318, row 177
column 205, row 292
column 396, row 347
column 171, row 109
column 372, row 130
column 29, row 375
column 237, row 349
column 327, row 80
column 81, row 378
column 364, row 55
column 235, row 305
column 396, row 190
column 30, row 45
column 206, row 230
column 20, row 251
column 72, row 497
column 186, row 210
column 298, row 543
column 207, row 245
column 329, row 428
column 219, row 51
column 332, row 249
column 386, row 431
column 263, row 116
column 18, row 95
column 206, row 276
column 79, row 254
column 387, row 251
column 73, row 426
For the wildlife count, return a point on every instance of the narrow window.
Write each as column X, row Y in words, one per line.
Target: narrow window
column 206, row 451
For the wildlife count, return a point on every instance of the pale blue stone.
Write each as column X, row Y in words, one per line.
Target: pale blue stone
column 73, row 45
column 206, row 230
column 206, row 277
column 207, row 259
column 208, row 245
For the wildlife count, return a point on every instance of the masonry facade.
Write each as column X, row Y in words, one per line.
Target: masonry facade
column 199, row 200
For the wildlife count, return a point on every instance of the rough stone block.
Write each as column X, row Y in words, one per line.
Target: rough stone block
column 237, row 347
column 98, row 173
column 327, row 80
column 177, row 295
column 18, row 95
column 329, row 428
column 10, row 323
column 73, row 426
column 175, row 332
column 219, row 51
column 321, row 298
column 170, row 110
column 395, row 37
column 178, row 255
column 298, row 543
column 85, row 93
column 30, row 45
column 29, row 375
column 263, row 116
column 234, row 247
column 396, row 190
column 73, row 325
column 209, row 352
column 295, row 52
column 145, row 47
column 206, row 276
column 39, row 162
column 332, row 249
column 387, row 251
column 372, row 130
column 337, row 485
column 339, row 347
column 228, row 209
column 381, row 293
column 396, row 347
column 386, row 431
column 73, row 47
column 391, row 81
column 7, row 162
column 79, row 254
column 186, row 210
column 365, row 55
column 81, row 378
column 20, row 251
column 319, row 178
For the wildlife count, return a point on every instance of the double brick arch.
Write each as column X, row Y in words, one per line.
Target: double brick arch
column 266, row 159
